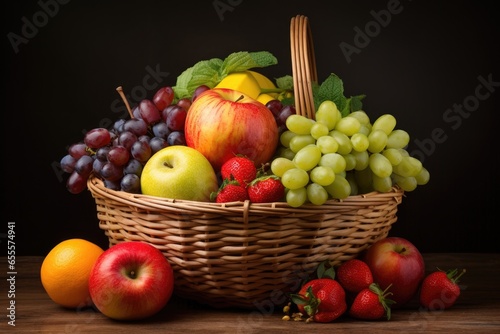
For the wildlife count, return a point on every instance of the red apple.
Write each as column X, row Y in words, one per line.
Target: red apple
column 396, row 261
column 131, row 280
column 222, row 123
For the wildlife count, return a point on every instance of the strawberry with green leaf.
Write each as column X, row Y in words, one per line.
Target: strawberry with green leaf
column 239, row 168
column 371, row 304
column 439, row 289
column 266, row 189
column 229, row 191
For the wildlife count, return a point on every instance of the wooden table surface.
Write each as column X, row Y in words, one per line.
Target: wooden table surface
column 476, row 311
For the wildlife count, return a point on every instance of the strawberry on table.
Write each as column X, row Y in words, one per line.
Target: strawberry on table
column 321, row 300
column 239, row 168
column 266, row 189
column 354, row 275
column 439, row 290
column 371, row 304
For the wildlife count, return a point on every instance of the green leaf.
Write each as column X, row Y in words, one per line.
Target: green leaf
column 243, row 60
column 285, row 82
column 332, row 89
column 205, row 72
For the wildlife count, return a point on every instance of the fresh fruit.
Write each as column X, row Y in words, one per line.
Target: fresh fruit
column 239, row 168
column 222, row 123
column 230, row 191
column 131, row 280
column 355, row 156
column 65, row 272
column 266, row 189
column 321, row 299
column 397, row 262
column 371, row 303
column 439, row 289
column 243, row 82
column 354, row 275
column 107, row 153
column 179, row 172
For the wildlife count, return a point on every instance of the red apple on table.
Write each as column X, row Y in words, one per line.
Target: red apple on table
column 131, row 280
column 222, row 123
column 396, row 261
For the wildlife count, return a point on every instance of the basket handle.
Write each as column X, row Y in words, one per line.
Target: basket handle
column 304, row 70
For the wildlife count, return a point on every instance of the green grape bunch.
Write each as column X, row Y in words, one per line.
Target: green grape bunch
column 333, row 157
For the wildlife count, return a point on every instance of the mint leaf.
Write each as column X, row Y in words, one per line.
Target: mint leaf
column 332, row 89
column 211, row 72
column 205, row 72
column 243, row 60
column 356, row 103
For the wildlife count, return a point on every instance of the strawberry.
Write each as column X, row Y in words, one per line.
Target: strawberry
column 239, row 168
column 371, row 304
column 321, row 299
column 354, row 275
column 229, row 191
column 439, row 290
column 266, row 189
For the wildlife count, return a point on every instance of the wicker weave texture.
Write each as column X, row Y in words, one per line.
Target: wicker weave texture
column 241, row 254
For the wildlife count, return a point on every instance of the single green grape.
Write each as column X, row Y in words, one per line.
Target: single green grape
column 382, row 184
column 348, row 125
column 386, row 123
column 380, row 165
column 361, row 158
column 345, row 145
column 423, row 177
column 333, row 160
column 307, row 157
column 299, row 124
column 359, row 142
column 316, row 194
column 295, row 178
column 350, row 161
column 361, row 116
column 327, row 114
column 280, row 165
column 327, row 144
column 408, row 167
column 378, row 140
column 286, row 137
column 393, row 155
column 286, row 152
column 406, row 183
column 398, row 139
column 300, row 141
column 319, row 130
column 340, row 188
column 322, row 175
column 296, row 197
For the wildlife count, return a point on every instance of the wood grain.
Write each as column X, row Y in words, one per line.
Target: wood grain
column 477, row 310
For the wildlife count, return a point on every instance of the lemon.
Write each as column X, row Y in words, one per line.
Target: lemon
column 243, row 82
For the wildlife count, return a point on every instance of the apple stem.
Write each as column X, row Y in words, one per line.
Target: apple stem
column 239, row 98
column 119, row 89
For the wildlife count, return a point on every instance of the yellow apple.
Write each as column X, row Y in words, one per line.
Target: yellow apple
column 179, row 172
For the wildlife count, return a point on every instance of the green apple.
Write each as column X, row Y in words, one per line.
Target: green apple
column 179, row 172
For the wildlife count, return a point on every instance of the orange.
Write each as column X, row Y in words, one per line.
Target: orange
column 65, row 272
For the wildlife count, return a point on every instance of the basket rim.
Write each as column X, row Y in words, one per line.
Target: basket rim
column 96, row 187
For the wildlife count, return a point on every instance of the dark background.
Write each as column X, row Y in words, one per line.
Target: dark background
column 422, row 62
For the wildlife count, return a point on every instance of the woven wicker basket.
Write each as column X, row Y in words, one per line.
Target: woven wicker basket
column 248, row 255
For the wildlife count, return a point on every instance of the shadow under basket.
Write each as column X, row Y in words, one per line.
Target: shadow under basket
column 241, row 254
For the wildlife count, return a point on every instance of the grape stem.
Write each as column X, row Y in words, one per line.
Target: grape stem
column 119, row 89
